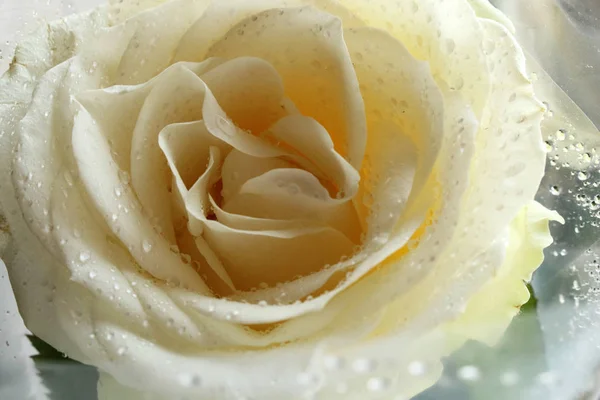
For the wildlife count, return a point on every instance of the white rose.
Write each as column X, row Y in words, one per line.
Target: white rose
column 271, row 199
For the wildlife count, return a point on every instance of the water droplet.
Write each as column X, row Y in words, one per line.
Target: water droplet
column 582, row 176
column 546, row 378
column 306, row 379
column 333, row 362
column 190, row 380
column 68, row 178
column 76, row 233
column 118, row 191
column 109, row 336
column 263, row 303
column 561, row 298
column 293, row 189
column 121, row 351
column 146, row 246
column 417, row 368
column 563, row 252
column 469, row 373
column 378, row 384
column 363, row 365
column 560, row 135
column 92, row 274
column 84, row 256
column 509, row 378
column 555, row 190
column 225, row 125
column 124, row 177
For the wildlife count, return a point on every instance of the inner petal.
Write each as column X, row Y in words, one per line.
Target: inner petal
column 187, row 147
column 307, row 48
column 249, row 90
column 239, row 167
column 294, row 194
column 305, row 136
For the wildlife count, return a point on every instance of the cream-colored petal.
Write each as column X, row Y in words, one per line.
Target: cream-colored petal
column 244, row 222
column 123, row 105
column 196, row 199
column 221, row 126
column 177, row 97
column 310, row 139
column 249, row 90
column 446, row 34
column 398, row 91
column 120, row 209
column 240, row 167
column 187, row 149
column 156, row 32
column 220, row 16
column 510, row 152
column 294, row 194
column 388, row 186
column 307, row 48
column 256, row 257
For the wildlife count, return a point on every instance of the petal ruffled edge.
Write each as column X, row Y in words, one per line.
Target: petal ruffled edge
column 492, row 308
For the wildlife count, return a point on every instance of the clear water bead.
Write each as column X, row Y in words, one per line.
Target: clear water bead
column 378, row 384
column 416, row 368
column 84, row 256
column 469, row 373
column 146, row 246
column 363, row 365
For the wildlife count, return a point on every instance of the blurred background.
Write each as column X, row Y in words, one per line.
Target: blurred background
column 552, row 349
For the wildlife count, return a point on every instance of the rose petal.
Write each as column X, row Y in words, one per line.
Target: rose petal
column 243, row 222
column 147, row 52
column 220, row 16
column 239, row 167
column 149, row 171
column 310, row 139
column 294, row 194
column 404, row 109
column 492, row 308
column 249, row 90
column 131, row 226
column 187, row 146
column 307, row 46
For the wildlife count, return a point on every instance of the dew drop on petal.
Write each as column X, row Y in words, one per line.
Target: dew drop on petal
column 363, row 365
column 560, row 134
column 555, row 190
column 582, row 176
column 378, row 384
column 469, row 373
column 416, row 368
column 333, row 362
column 84, row 256
column 190, row 380
column 509, row 378
column 146, row 246
column 225, row 125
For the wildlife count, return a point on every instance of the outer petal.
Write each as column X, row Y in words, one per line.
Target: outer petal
column 491, row 309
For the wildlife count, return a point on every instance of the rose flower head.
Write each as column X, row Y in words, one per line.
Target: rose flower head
column 271, row 199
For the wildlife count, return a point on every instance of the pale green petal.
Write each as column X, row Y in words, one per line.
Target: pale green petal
column 492, row 308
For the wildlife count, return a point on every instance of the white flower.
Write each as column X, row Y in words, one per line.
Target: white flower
column 271, row 199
